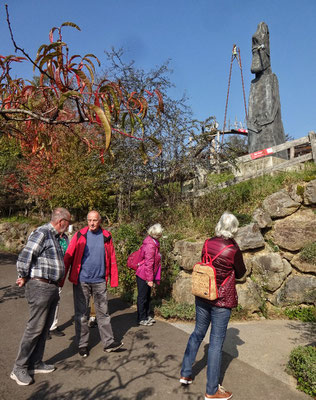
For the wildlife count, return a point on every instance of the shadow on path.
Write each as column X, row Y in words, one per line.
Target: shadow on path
column 234, row 341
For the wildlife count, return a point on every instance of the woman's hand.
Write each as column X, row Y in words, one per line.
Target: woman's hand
column 150, row 283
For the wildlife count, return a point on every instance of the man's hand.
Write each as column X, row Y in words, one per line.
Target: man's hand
column 21, row 282
column 150, row 283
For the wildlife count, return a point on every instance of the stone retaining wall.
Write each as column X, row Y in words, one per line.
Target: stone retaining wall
column 271, row 247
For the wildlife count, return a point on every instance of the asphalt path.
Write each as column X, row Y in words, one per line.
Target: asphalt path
column 148, row 365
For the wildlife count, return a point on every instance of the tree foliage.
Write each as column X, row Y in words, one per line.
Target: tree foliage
column 67, row 94
column 67, row 119
column 150, row 179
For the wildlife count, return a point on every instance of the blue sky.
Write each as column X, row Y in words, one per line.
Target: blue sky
column 196, row 35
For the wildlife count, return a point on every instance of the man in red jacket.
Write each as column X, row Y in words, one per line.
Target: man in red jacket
column 91, row 256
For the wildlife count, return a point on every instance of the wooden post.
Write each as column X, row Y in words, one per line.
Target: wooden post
column 292, row 152
column 312, row 138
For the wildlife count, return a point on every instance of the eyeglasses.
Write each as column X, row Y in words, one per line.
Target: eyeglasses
column 68, row 220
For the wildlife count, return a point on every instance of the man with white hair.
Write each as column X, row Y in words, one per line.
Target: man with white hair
column 92, row 259
column 40, row 268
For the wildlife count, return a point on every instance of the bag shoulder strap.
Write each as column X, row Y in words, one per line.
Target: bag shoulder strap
column 207, row 256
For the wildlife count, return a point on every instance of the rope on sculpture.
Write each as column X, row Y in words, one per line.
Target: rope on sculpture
column 235, row 56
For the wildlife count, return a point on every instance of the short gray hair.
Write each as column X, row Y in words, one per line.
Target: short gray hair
column 227, row 226
column 60, row 213
column 155, row 231
column 97, row 212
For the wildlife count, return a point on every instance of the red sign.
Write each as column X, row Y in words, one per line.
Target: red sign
column 261, row 153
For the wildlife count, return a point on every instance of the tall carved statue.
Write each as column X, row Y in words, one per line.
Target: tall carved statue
column 265, row 128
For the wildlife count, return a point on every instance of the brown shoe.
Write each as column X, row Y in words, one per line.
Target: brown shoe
column 185, row 380
column 221, row 394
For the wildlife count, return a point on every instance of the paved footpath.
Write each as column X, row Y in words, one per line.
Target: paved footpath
column 148, row 366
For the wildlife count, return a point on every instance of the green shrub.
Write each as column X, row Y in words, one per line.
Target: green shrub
column 308, row 253
column 215, row 179
column 274, row 247
column 244, row 219
column 300, row 190
column 238, row 314
column 264, row 309
column 126, row 240
column 304, row 314
column 23, row 220
column 170, row 268
column 302, row 365
column 171, row 309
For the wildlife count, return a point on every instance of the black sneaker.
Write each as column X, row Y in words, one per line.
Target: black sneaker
column 57, row 332
column 92, row 323
column 83, row 352
column 114, row 346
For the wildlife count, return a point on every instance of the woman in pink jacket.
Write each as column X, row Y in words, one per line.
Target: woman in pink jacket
column 148, row 273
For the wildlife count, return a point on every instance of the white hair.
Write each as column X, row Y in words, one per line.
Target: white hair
column 227, row 226
column 155, row 231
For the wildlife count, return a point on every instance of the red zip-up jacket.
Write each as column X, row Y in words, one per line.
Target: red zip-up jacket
column 75, row 251
column 229, row 262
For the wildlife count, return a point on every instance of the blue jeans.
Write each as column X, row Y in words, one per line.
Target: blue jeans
column 205, row 314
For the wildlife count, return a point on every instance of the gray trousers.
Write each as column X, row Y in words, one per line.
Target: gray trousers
column 82, row 293
column 42, row 299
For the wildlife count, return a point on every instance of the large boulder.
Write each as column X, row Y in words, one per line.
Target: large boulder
column 187, row 254
column 299, row 289
column 303, row 266
column 270, row 270
column 310, row 193
column 296, row 192
column 280, row 204
column 294, row 232
column 249, row 296
column 13, row 236
column 14, row 232
column 4, row 227
column 249, row 237
column 262, row 218
column 247, row 257
column 182, row 289
column 14, row 245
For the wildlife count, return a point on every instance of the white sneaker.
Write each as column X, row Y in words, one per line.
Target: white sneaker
column 145, row 322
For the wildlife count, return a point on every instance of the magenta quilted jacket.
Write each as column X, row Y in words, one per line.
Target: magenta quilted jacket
column 150, row 268
column 228, row 265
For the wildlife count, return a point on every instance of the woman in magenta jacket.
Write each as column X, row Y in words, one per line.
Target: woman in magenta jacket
column 148, row 273
column 228, row 265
